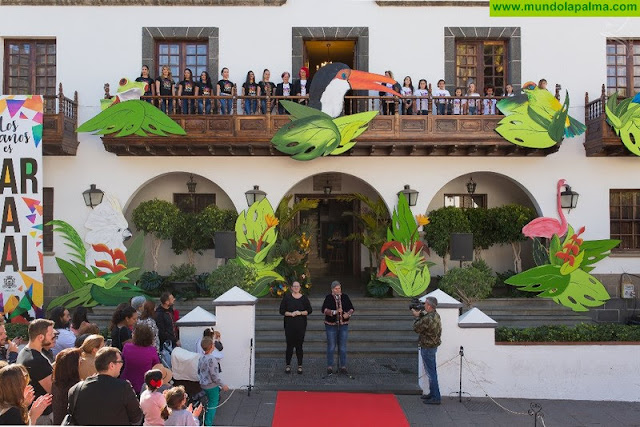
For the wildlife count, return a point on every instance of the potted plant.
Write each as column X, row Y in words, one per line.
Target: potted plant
column 156, row 218
column 470, row 284
column 182, row 278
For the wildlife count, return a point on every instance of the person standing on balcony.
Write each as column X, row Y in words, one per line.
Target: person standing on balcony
column 422, row 105
column 337, row 309
column 440, row 105
column 284, row 89
column 301, row 86
column 166, row 87
column 429, row 328
column 489, row 103
column 508, row 92
column 206, row 90
column 295, row 307
column 388, row 103
column 250, row 90
column 407, row 90
column 266, row 88
column 187, row 89
column 146, row 78
column 472, row 103
column 225, row 89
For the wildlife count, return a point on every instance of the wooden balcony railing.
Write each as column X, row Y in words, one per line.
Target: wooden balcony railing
column 60, row 123
column 391, row 133
column 600, row 138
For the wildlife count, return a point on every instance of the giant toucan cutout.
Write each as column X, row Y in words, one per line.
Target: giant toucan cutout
column 317, row 130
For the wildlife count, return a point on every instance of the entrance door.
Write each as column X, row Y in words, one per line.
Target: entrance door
column 340, row 256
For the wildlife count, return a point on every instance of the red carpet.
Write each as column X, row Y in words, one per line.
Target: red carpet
column 300, row 408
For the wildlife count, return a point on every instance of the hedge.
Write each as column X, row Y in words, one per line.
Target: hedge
column 583, row 332
column 17, row 330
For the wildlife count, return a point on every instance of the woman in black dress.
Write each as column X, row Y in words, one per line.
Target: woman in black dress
column 295, row 307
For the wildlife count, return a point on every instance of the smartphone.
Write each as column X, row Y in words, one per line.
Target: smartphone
column 108, row 343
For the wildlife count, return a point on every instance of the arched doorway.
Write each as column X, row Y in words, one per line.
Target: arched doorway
column 335, row 252
column 490, row 190
column 179, row 188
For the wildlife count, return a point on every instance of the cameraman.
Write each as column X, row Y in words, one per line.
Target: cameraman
column 427, row 324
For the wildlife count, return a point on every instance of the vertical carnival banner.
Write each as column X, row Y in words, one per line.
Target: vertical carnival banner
column 21, row 228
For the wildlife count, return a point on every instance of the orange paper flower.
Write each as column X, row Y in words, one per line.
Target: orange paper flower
column 271, row 220
column 422, row 220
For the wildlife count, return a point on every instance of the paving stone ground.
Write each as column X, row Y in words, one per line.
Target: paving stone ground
column 383, row 375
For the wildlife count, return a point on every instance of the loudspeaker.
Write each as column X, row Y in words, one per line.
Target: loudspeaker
column 461, row 245
column 225, row 243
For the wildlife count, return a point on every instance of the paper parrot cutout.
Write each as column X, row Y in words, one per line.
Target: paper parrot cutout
column 315, row 131
column 536, row 119
column 624, row 117
column 125, row 114
column 563, row 272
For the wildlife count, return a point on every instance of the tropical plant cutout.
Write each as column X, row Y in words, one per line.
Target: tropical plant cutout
column 564, row 275
column 624, row 117
column 125, row 114
column 317, row 130
column 536, row 119
column 312, row 133
column 256, row 235
column 404, row 266
column 109, row 283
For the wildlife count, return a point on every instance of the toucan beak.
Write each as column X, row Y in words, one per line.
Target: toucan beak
column 369, row 81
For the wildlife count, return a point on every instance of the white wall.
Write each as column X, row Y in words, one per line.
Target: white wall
column 573, row 372
column 91, row 53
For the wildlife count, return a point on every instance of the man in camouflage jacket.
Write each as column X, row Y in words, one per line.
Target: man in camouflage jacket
column 427, row 324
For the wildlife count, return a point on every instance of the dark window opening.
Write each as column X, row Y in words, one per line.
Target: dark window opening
column 624, row 218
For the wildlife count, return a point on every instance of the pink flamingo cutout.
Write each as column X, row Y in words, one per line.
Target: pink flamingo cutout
column 547, row 227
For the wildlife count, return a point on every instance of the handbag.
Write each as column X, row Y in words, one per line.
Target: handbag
column 68, row 419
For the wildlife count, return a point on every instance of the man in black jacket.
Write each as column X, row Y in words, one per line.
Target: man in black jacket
column 164, row 320
column 105, row 399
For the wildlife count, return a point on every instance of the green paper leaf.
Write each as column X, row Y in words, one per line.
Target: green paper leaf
column 79, row 297
column 73, row 239
column 121, row 292
column 403, row 224
column 540, row 253
column 630, row 136
column 596, row 250
column 135, row 257
column 261, row 287
column 300, row 111
column 109, row 281
column 567, row 268
column 74, row 276
column 545, row 279
column 350, row 128
column 520, row 129
column 559, row 121
column 583, row 291
column 554, row 248
column 394, row 283
column 132, row 117
column 307, row 138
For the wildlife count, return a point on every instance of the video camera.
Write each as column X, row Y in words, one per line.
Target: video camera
column 416, row 304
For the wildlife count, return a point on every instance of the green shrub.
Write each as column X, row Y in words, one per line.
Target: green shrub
column 482, row 265
column 182, row 273
column 17, row 330
column 597, row 332
column 201, row 282
column 470, row 284
column 378, row 289
column 229, row 275
column 158, row 219
column 443, row 222
column 151, row 281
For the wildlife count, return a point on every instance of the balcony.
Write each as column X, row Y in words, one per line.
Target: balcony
column 600, row 138
column 59, row 125
column 396, row 134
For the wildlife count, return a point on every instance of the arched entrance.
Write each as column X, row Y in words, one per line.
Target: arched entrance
column 179, row 188
column 335, row 252
column 490, row 190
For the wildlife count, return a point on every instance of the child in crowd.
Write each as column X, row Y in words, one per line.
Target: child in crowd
column 407, row 90
column 542, row 84
column 488, row 104
column 459, row 105
column 472, row 104
column 509, row 91
column 209, row 374
column 422, row 105
column 179, row 416
column 440, row 105
column 152, row 402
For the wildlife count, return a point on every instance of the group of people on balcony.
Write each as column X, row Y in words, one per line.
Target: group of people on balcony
column 193, row 93
column 224, row 90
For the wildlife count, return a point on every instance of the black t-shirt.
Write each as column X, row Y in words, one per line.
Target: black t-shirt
column 250, row 89
column 267, row 88
column 39, row 368
column 205, row 89
column 188, row 87
column 166, row 86
column 119, row 335
column 149, row 81
column 12, row 417
column 226, row 87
